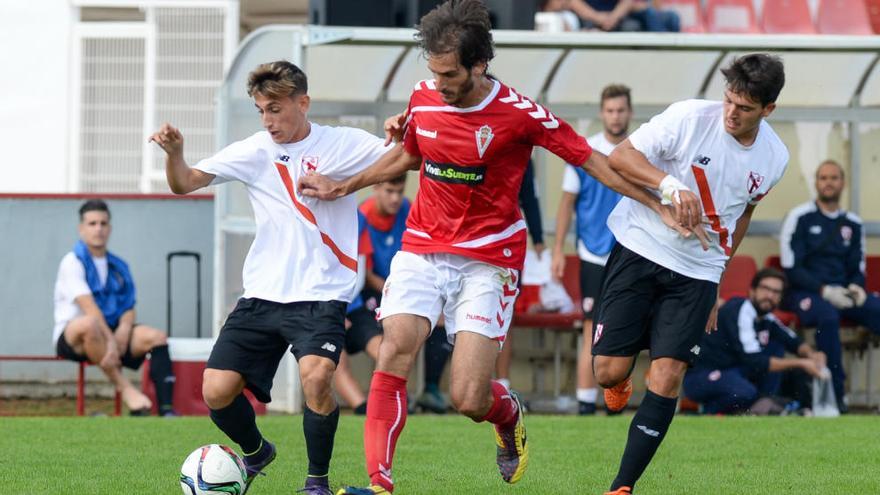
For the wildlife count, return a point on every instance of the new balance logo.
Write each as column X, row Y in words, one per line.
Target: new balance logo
column 648, row 431
column 328, row 347
column 696, row 350
column 539, row 113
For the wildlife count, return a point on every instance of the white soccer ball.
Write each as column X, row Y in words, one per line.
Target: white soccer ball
column 213, row 470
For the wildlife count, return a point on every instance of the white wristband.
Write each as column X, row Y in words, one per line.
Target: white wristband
column 669, row 188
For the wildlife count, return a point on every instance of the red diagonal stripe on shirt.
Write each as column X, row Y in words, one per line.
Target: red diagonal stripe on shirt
column 709, row 207
column 346, row 260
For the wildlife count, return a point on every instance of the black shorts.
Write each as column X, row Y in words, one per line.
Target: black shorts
column 257, row 332
column 647, row 306
column 591, row 287
column 363, row 328
column 63, row 350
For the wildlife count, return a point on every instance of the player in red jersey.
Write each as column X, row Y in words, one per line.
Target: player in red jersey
column 465, row 241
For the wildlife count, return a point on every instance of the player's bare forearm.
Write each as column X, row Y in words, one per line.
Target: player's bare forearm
column 563, row 219
column 392, row 164
column 123, row 331
column 634, row 166
column 599, row 167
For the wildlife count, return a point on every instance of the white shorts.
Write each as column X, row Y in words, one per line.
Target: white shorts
column 474, row 296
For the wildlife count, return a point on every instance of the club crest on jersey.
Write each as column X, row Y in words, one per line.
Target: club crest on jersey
column 484, row 137
column 755, row 181
column 309, row 163
column 846, row 232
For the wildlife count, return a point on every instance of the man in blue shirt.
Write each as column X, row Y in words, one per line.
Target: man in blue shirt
column 822, row 250
column 744, row 359
column 591, row 203
column 95, row 319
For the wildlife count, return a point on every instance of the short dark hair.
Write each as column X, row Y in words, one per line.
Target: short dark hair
column 759, row 75
column 837, row 164
column 277, row 80
column 615, row 91
column 769, row 272
column 93, row 205
column 459, row 26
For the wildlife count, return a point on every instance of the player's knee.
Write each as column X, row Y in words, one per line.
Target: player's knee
column 215, row 393
column 316, row 382
column 608, row 375
column 160, row 339
column 665, row 378
column 468, row 401
column 92, row 328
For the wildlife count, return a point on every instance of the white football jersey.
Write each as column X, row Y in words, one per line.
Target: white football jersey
column 304, row 249
column 688, row 141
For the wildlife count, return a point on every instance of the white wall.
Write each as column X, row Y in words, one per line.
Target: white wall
column 34, row 107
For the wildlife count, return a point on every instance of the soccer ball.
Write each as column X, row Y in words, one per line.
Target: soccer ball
column 213, row 470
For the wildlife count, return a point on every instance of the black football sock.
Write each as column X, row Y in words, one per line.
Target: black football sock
column 239, row 423
column 436, row 354
column 319, row 431
column 646, row 431
column 163, row 377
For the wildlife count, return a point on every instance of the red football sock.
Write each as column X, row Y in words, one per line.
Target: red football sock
column 386, row 416
column 503, row 411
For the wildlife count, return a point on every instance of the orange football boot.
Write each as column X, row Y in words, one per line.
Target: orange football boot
column 617, row 396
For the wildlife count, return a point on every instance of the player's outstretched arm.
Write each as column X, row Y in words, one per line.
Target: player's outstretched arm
column 635, row 167
column 598, row 166
column 181, row 178
column 392, row 164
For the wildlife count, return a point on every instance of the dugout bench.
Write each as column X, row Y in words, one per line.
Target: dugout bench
column 80, row 380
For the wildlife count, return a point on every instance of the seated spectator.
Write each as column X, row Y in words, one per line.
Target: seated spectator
column 744, row 361
column 616, row 15
column 822, row 250
column 95, row 317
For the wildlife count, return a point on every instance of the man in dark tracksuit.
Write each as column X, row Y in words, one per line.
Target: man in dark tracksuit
column 744, row 359
column 822, row 250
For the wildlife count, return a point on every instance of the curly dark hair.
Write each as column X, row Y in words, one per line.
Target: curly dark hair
column 460, row 26
column 758, row 75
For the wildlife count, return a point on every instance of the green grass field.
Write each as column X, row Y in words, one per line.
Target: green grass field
column 452, row 455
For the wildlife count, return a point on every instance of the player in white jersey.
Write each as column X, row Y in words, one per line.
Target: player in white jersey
column 591, row 202
column 660, row 290
column 300, row 272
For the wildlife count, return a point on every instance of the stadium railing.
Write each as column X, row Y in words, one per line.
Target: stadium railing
column 80, row 381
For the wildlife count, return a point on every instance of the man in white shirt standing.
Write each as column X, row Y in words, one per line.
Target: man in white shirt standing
column 95, row 315
column 660, row 289
column 300, row 272
column 591, row 202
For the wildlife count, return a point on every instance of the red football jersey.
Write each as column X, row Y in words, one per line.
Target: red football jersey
column 473, row 161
